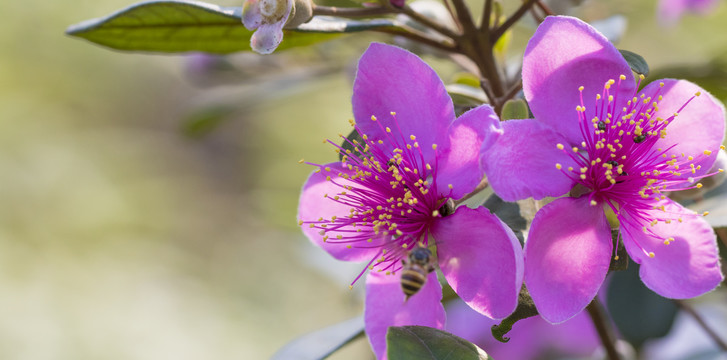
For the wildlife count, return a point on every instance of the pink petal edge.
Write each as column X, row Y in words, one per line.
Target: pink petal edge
column 567, row 256
column 481, row 259
column 385, row 307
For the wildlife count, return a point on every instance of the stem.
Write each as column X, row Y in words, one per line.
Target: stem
column 603, row 327
column 383, row 10
column 486, row 15
column 452, row 14
column 485, row 85
column 512, row 91
column 407, row 10
column 684, row 306
column 481, row 186
column 416, row 36
column 722, row 235
column 478, row 47
column 497, row 33
column 350, row 12
column 545, row 8
column 539, row 19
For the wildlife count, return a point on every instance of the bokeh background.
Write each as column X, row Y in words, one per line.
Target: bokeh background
column 148, row 201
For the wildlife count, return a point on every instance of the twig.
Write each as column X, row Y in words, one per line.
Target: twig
column 684, row 306
column 511, row 92
column 350, row 12
column 722, row 234
column 452, row 14
column 603, row 327
column 486, row 15
column 497, row 33
column 478, row 47
column 481, row 186
column 463, row 14
column 485, row 85
column 407, row 10
column 416, row 36
column 545, row 8
column 539, row 19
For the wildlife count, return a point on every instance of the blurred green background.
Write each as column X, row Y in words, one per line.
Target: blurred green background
column 125, row 234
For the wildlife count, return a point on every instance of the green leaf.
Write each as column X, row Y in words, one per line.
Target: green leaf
column 466, row 78
column 639, row 313
column 510, row 213
column 466, row 95
column 515, row 109
column 636, row 62
column 322, row 343
column 424, row 343
column 182, row 26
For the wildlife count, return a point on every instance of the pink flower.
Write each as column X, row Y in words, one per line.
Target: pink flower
column 530, row 339
column 391, row 194
column 670, row 11
column 267, row 17
column 614, row 149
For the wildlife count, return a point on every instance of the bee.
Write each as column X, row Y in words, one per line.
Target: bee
column 417, row 266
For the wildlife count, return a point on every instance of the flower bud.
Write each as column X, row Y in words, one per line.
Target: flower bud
column 302, row 13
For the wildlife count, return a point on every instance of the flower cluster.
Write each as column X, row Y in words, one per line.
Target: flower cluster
column 394, row 192
column 613, row 150
column 616, row 150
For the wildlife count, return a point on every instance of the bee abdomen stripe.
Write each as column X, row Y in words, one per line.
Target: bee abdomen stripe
column 413, row 276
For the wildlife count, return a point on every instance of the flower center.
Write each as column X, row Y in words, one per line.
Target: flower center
column 391, row 194
column 620, row 163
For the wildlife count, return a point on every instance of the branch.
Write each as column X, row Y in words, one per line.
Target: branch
column 684, row 306
column 603, row 327
column 497, row 33
column 452, row 14
column 416, row 36
column 485, row 86
column 481, row 186
column 407, row 10
column 346, row 12
column 478, row 48
column 512, row 91
column 486, row 15
column 545, row 8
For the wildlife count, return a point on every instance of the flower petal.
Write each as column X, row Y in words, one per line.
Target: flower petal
column 251, row 16
column 390, row 79
column 267, row 38
column 471, row 133
column 566, row 257
column 530, row 338
column 314, row 204
column 481, row 259
column 385, row 306
column 699, row 126
column 564, row 54
column 521, row 163
column 688, row 267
